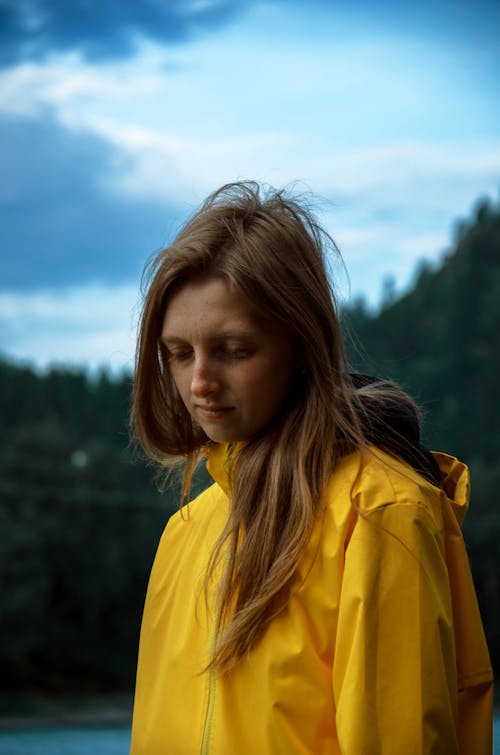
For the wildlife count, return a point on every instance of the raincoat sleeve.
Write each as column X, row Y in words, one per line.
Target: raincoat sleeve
column 394, row 677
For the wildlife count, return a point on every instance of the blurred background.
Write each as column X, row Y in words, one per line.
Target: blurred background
column 116, row 119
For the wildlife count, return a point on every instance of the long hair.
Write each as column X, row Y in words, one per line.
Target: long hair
column 273, row 251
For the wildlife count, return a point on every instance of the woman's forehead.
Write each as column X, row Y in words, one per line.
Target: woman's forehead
column 215, row 308
column 211, row 302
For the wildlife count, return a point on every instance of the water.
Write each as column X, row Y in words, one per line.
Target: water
column 69, row 741
column 102, row 741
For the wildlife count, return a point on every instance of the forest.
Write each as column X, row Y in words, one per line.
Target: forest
column 81, row 515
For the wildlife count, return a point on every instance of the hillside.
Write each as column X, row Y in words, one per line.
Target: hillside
column 442, row 341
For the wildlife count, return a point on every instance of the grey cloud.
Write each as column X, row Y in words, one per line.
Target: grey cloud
column 101, row 29
column 105, row 29
column 58, row 225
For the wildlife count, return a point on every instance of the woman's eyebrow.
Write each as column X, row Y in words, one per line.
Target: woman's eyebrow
column 233, row 335
column 224, row 335
column 172, row 340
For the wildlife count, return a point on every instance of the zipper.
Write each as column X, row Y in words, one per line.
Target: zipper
column 207, row 730
column 212, row 679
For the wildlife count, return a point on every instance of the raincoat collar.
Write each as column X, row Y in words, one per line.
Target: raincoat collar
column 455, row 481
column 220, row 460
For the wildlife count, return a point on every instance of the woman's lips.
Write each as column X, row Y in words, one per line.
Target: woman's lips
column 213, row 412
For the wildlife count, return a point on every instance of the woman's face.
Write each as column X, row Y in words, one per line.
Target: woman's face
column 232, row 368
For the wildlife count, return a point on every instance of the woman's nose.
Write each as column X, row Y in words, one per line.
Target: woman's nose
column 204, row 380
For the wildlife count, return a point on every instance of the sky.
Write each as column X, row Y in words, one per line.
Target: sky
column 117, row 118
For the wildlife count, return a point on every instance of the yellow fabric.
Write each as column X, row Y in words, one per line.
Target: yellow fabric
column 380, row 650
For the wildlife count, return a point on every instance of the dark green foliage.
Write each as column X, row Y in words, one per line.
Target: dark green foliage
column 80, row 519
column 441, row 341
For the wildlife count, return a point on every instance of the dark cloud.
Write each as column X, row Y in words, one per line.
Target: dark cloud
column 101, row 29
column 58, row 224
column 105, row 29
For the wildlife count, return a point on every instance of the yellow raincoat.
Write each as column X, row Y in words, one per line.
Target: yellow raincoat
column 380, row 649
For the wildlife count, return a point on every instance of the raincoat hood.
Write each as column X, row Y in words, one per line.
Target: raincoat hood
column 455, row 482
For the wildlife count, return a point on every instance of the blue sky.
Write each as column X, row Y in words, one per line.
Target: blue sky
column 117, row 118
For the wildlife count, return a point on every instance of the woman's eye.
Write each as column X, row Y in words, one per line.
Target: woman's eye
column 236, row 353
column 178, row 356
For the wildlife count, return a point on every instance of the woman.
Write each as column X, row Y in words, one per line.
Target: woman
column 317, row 597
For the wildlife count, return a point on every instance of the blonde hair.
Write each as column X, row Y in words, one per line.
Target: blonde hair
column 273, row 250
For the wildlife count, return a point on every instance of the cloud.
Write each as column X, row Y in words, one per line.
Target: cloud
column 29, row 88
column 101, row 30
column 59, row 223
column 84, row 325
column 32, row 30
column 427, row 177
column 200, row 163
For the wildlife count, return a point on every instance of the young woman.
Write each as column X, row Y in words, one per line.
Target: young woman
column 317, row 597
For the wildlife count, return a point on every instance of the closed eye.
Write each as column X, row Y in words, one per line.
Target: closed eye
column 179, row 356
column 235, row 353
